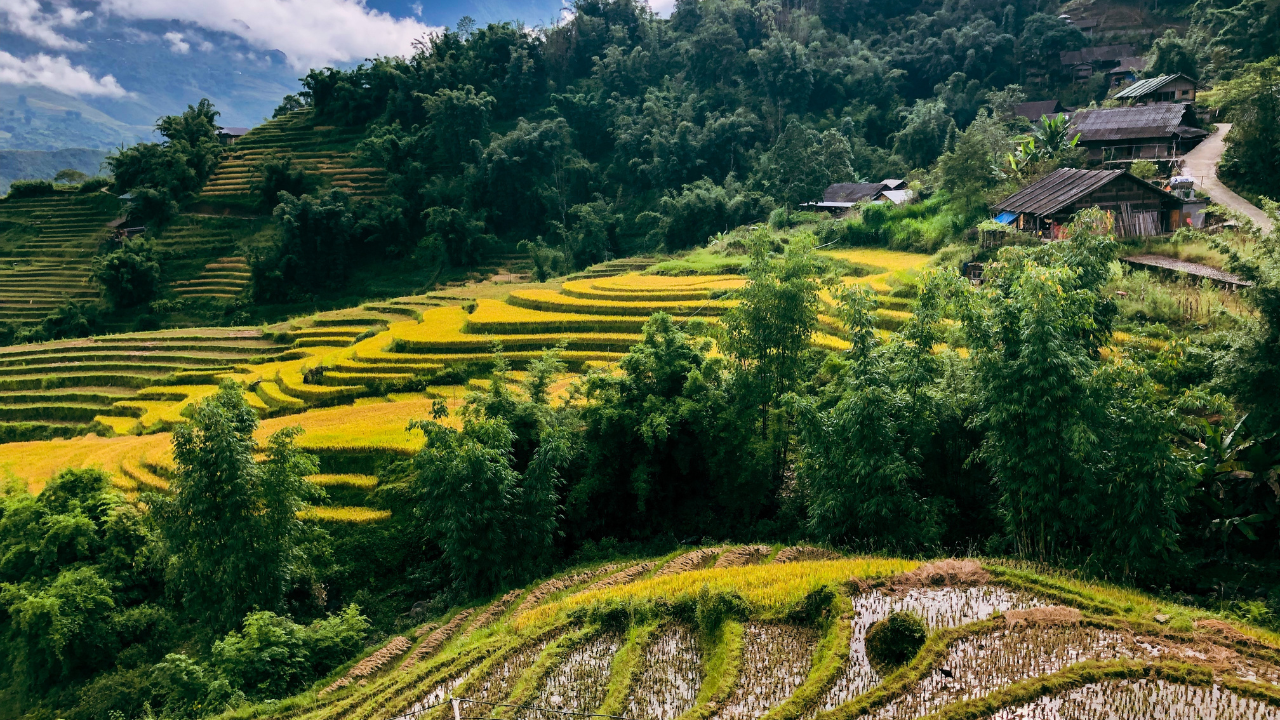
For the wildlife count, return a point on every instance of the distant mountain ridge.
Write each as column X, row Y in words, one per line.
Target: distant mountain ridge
column 44, row 164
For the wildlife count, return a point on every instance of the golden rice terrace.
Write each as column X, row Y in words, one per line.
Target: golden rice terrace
column 786, row 638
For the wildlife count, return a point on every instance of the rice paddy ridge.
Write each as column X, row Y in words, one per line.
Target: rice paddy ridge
column 323, row 150
column 225, row 277
column 1000, row 642
column 124, row 383
column 47, row 245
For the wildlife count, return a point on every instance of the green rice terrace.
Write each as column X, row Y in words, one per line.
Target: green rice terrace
column 322, row 150
column 47, row 245
column 738, row 633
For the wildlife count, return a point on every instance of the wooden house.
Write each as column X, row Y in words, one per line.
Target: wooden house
column 1126, row 71
column 1164, row 89
column 229, row 135
column 1037, row 109
column 1136, row 206
column 1082, row 64
column 1147, row 132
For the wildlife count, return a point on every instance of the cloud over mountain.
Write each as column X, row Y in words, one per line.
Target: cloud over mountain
column 56, row 73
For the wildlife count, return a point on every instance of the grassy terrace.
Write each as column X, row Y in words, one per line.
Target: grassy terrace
column 47, row 246
column 325, row 151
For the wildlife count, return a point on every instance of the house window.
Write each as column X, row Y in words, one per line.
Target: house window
column 1186, row 93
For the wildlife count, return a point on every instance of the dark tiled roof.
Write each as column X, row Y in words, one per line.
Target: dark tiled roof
column 1148, row 86
column 851, row 192
column 1057, row 190
column 1146, row 121
column 1130, row 64
column 1035, row 110
column 1105, row 53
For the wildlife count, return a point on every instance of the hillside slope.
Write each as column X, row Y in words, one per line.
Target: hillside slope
column 750, row 632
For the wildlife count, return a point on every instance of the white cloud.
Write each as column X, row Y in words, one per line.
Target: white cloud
column 663, row 8
column 56, row 73
column 177, row 44
column 417, row 8
column 28, row 19
column 309, row 32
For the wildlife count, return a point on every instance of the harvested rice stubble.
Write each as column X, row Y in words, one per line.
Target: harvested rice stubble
column 555, row 585
column 1141, row 700
column 580, row 683
column 372, row 664
column 671, row 677
column 775, row 661
column 977, row 666
column 694, row 560
column 940, row 607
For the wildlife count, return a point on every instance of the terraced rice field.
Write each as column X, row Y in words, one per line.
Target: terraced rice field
column 131, row 382
column 225, row 277
column 985, row 657
column 325, row 151
column 47, row 246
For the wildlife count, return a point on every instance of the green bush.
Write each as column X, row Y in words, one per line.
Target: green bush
column 130, row 275
column 94, row 184
column 30, row 188
column 895, row 640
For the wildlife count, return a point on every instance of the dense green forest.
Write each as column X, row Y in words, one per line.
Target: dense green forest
column 616, row 133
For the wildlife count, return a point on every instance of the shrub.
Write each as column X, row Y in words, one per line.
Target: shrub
column 895, row 640
column 275, row 174
column 94, row 184
column 30, row 188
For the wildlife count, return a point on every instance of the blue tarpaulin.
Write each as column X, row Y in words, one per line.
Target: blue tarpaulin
column 1005, row 218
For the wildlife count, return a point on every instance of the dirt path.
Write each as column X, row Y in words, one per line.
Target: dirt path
column 1201, row 164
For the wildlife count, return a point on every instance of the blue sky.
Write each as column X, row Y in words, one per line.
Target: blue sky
column 447, row 12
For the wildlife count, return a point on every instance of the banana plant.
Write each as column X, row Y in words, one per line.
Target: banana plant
column 1237, row 481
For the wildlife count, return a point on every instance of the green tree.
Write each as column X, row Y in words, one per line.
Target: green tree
column 229, row 524
column 275, row 174
column 70, row 176
column 130, row 274
column 925, row 127
column 1081, row 453
column 802, row 163
column 274, row 657
column 313, row 251
column 1171, row 54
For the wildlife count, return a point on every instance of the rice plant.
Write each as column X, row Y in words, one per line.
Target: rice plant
column 624, row 576
column 495, row 610
column 1141, row 700
column 436, row 639
column 555, row 585
column 372, row 664
column 694, row 560
column 803, row 553
column 744, row 555
column 579, row 684
column 940, row 607
column 978, row 665
column 775, row 661
column 668, row 685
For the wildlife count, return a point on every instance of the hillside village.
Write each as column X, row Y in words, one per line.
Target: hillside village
column 756, row 362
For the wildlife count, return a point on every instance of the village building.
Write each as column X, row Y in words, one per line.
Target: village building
column 1037, row 109
column 1163, row 131
column 1082, row 64
column 1126, row 71
column 1136, row 207
column 1164, row 89
column 842, row 196
column 229, row 135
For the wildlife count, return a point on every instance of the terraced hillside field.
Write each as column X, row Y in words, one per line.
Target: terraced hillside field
column 325, row 151
column 47, row 246
column 631, row 640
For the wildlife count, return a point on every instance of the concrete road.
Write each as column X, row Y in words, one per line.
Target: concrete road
column 1201, row 164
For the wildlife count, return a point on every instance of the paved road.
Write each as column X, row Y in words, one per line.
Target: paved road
column 1202, row 165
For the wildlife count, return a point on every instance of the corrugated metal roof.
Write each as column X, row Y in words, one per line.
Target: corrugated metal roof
column 1144, row 121
column 851, row 192
column 1057, row 190
column 1062, row 187
column 1150, row 85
